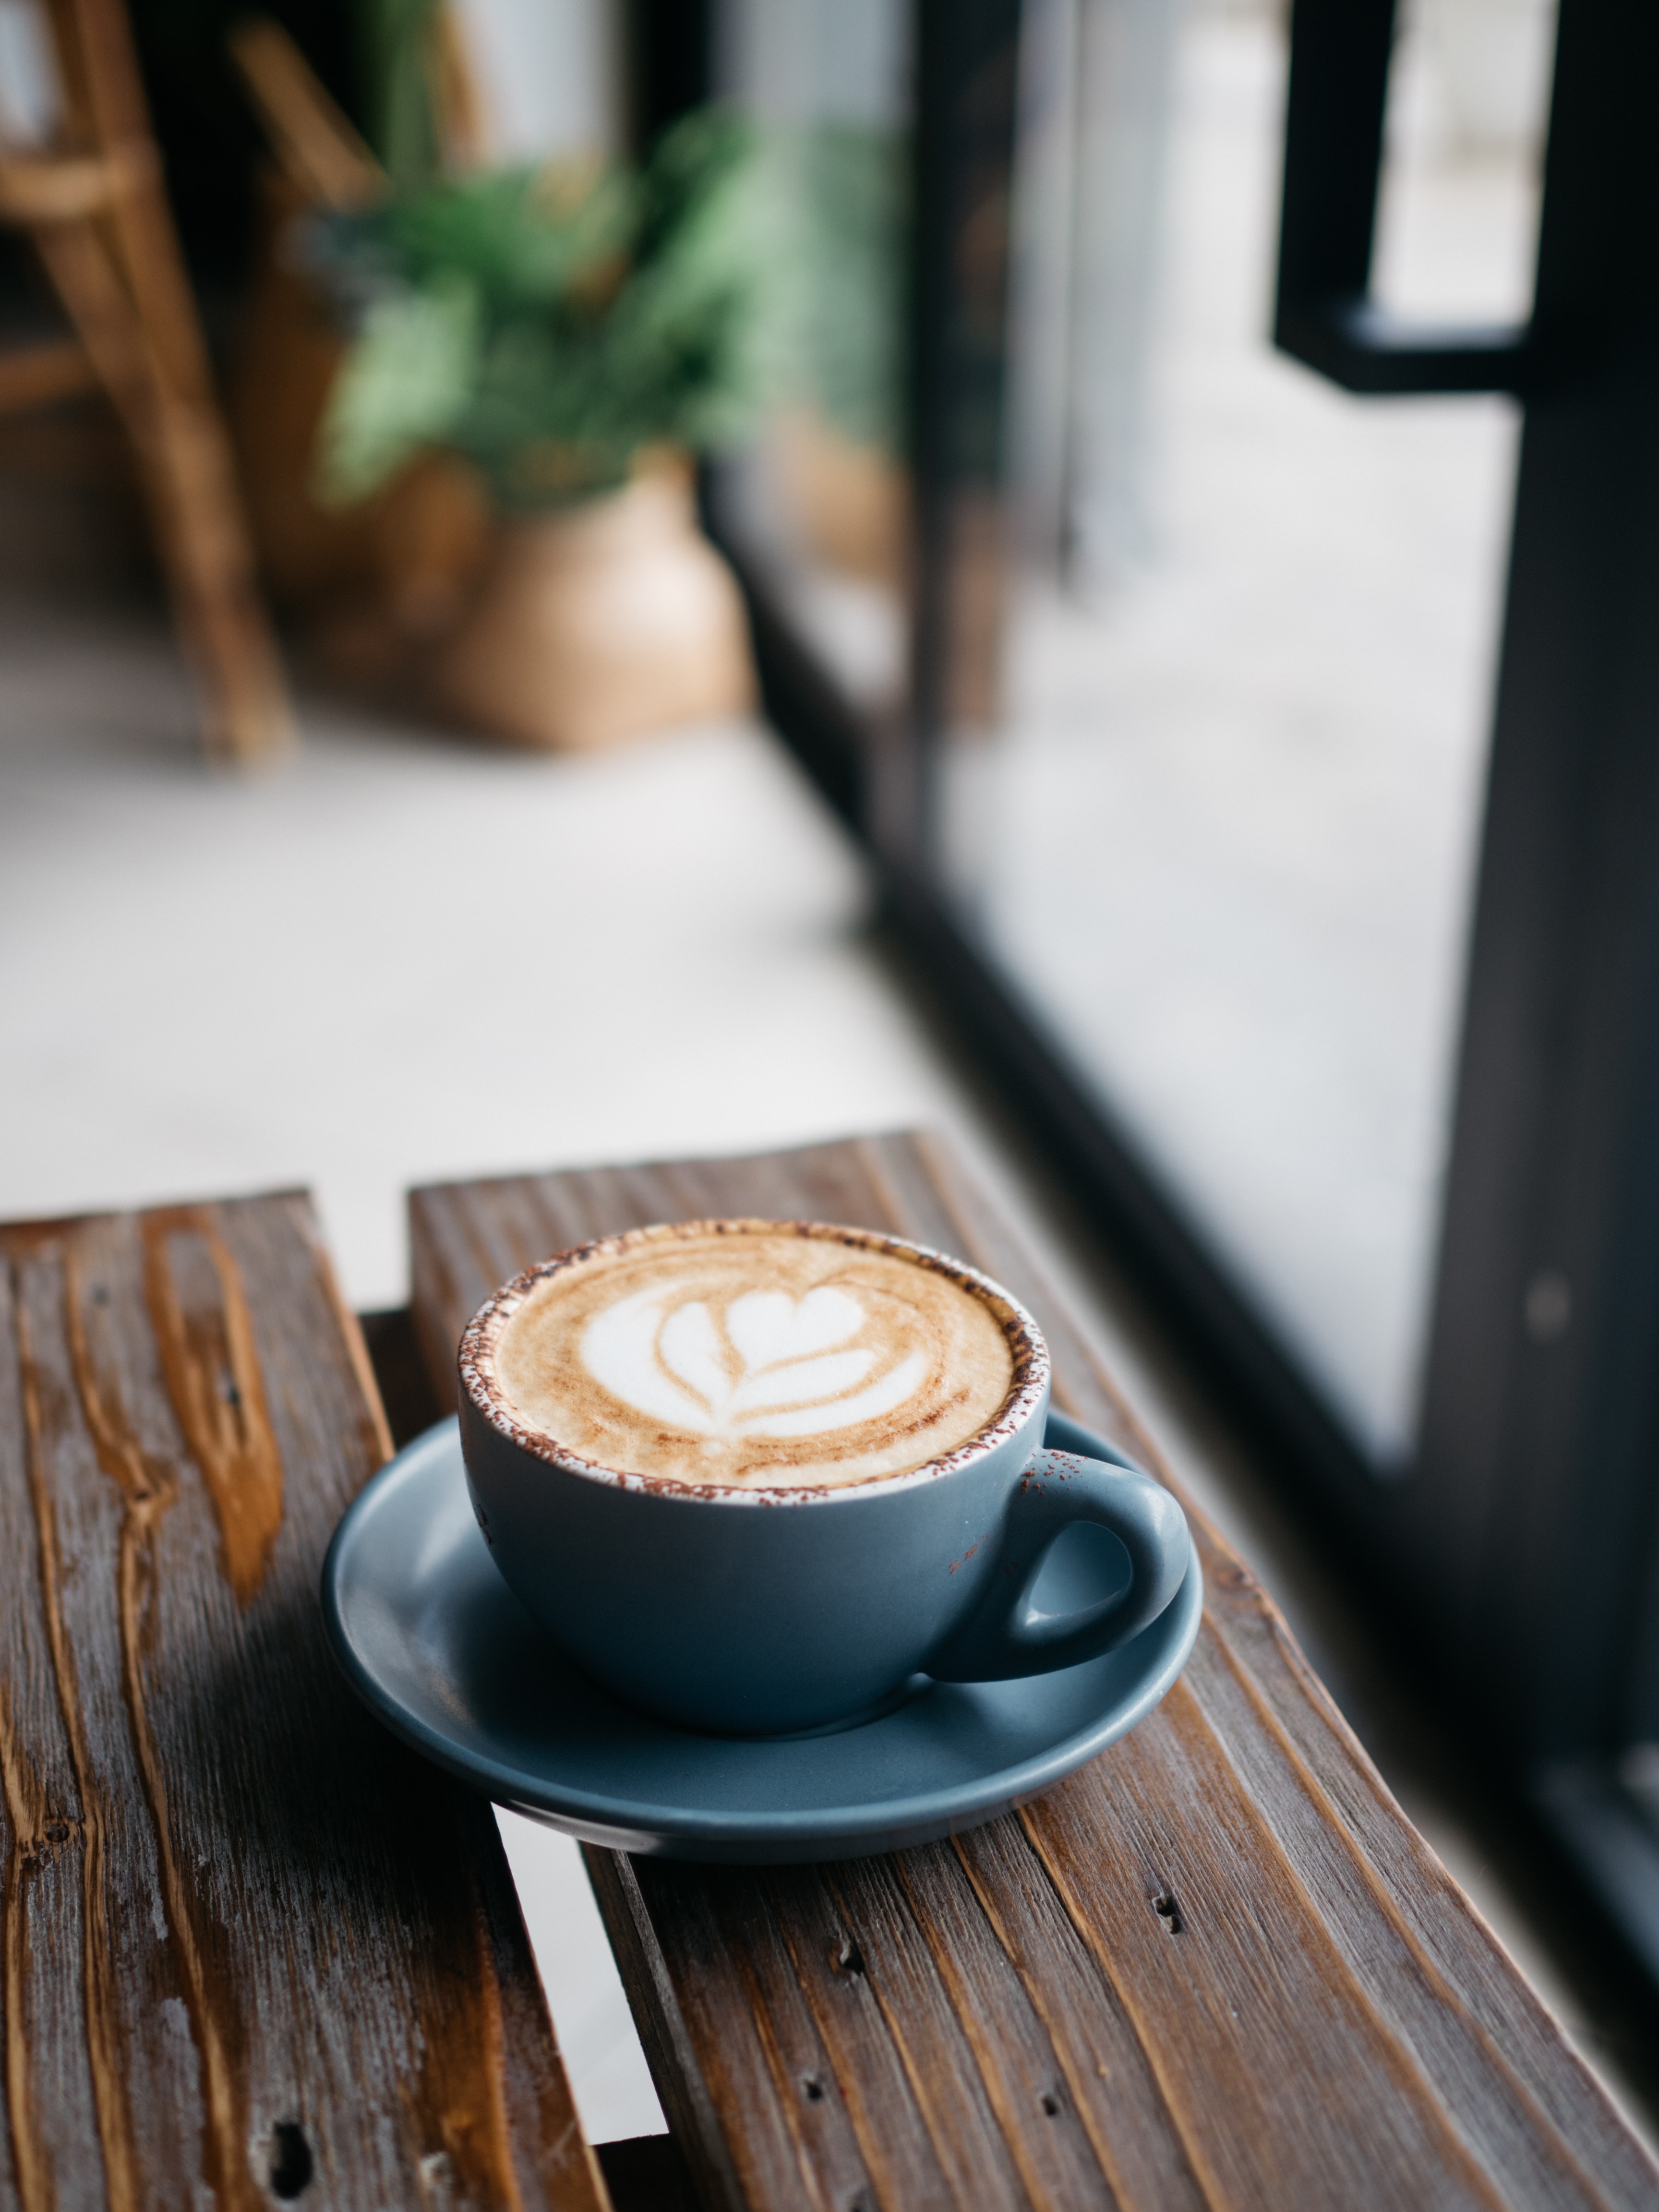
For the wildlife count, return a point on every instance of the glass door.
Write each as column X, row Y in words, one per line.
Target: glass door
column 1218, row 826
column 1253, row 712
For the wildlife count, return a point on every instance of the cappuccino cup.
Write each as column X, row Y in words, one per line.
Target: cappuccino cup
column 757, row 1477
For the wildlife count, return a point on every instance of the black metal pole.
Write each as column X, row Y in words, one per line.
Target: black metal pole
column 1539, row 1445
column 668, row 64
column 1323, row 312
column 967, row 65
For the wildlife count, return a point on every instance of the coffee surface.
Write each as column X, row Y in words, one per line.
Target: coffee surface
column 754, row 1358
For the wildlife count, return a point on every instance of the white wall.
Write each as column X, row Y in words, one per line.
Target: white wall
column 550, row 72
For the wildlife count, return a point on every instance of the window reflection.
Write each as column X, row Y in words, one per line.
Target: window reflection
column 1224, row 840
column 821, row 506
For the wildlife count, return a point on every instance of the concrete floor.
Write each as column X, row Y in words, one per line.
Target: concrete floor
column 406, row 956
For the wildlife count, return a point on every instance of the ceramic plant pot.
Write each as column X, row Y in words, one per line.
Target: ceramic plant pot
column 598, row 622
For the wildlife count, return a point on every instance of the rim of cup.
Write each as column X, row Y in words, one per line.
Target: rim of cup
column 479, row 1341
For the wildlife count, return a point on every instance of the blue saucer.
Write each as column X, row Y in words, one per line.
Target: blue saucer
column 436, row 1645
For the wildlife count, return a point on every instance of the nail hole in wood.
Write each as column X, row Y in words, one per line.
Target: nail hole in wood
column 813, row 2086
column 290, row 2160
column 1050, row 2104
column 1168, row 1909
column 848, row 1958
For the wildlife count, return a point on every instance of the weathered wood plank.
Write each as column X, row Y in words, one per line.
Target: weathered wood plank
column 925, row 2129
column 711, row 2052
column 998, row 2107
column 1107, row 2070
column 1237, row 1987
column 1242, row 1620
column 1220, row 1953
column 250, row 1948
column 926, row 1185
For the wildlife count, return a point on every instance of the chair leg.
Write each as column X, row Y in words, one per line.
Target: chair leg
column 122, row 282
column 221, row 617
column 185, row 467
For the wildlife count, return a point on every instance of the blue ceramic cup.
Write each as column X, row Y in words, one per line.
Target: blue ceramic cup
column 762, row 1612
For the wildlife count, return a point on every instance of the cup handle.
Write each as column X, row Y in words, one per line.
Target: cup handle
column 1002, row 1638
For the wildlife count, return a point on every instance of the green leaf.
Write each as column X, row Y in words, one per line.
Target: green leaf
column 549, row 323
column 403, row 384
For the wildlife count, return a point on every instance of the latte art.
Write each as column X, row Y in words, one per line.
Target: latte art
column 749, row 1355
column 759, row 1368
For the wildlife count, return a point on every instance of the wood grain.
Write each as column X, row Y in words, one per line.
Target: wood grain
column 1216, row 1968
column 251, row 1950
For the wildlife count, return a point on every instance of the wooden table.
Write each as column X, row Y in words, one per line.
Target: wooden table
column 250, row 1948
column 253, row 1951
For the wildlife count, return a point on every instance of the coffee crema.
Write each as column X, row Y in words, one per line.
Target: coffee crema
column 753, row 1355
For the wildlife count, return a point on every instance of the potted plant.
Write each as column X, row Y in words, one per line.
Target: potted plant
column 576, row 334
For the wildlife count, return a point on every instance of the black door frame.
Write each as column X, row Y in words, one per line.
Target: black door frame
column 1526, row 1528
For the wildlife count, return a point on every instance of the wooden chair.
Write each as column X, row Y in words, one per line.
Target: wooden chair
column 92, row 204
column 371, row 583
column 314, row 147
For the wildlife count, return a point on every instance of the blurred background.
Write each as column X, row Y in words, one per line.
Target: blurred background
column 583, row 580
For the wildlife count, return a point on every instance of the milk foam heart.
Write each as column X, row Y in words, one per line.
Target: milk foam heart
column 753, row 1354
